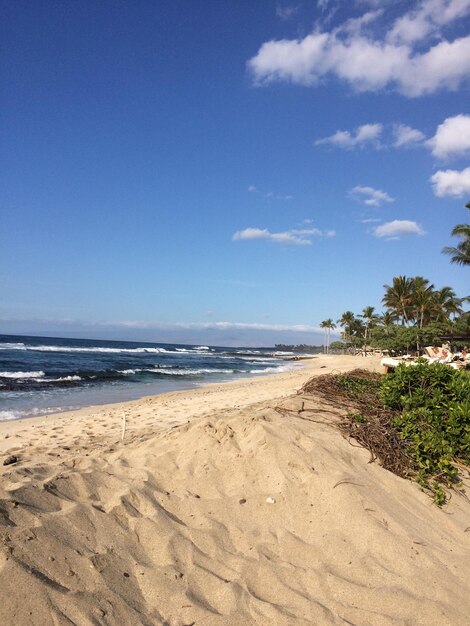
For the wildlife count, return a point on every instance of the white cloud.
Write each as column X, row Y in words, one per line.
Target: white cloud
column 371, row 196
column 295, row 237
column 452, row 137
column 367, row 134
column 397, row 228
column 355, row 25
column 405, row 136
column 372, row 64
column 452, row 183
column 427, row 19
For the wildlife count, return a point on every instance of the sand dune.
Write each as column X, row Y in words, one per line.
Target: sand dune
column 220, row 509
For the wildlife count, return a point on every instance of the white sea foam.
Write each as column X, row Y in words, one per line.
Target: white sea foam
column 198, row 350
column 258, row 359
column 281, row 368
column 247, row 352
column 33, row 412
column 95, row 349
column 22, row 374
column 141, row 350
column 9, row 415
column 189, row 372
column 62, row 379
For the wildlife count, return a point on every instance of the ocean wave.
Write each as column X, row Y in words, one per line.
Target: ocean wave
column 9, row 415
column 18, row 375
column 198, row 350
column 62, row 379
column 12, row 346
column 248, row 352
column 34, row 412
column 189, row 372
column 101, row 350
column 259, row 359
column 277, row 370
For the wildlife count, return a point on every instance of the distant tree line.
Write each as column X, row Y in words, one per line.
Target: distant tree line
column 417, row 314
column 302, row 347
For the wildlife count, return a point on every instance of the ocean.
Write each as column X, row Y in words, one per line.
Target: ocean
column 40, row 375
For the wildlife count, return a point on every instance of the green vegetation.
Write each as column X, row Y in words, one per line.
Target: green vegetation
column 416, row 421
column 302, row 348
column 417, row 314
column 433, row 404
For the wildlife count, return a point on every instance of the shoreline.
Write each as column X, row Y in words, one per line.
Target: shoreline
column 13, row 431
column 45, row 400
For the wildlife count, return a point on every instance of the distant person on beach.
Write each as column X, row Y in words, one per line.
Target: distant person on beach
column 445, row 357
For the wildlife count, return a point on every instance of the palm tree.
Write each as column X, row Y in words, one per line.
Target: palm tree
column 388, row 319
column 398, row 297
column 460, row 254
column 370, row 318
column 423, row 300
column 347, row 322
column 328, row 325
column 447, row 304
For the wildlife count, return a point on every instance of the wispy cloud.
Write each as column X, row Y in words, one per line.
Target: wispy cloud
column 269, row 195
column 427, row 19
column 397, row 228
column 406, row 136
column 157, row 325
column 371, row 196
column 362, row 136
column 407, row 58
column 297, row 237
column 286, row 13
column 453, row 183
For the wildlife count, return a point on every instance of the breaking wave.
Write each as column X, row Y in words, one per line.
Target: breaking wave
column 19, row 375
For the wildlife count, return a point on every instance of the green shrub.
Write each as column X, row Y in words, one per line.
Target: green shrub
column 433, row 420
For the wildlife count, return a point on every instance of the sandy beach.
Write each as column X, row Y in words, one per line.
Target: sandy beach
column 219, row 508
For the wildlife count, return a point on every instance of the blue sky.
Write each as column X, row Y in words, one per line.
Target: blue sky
column 227, row 172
